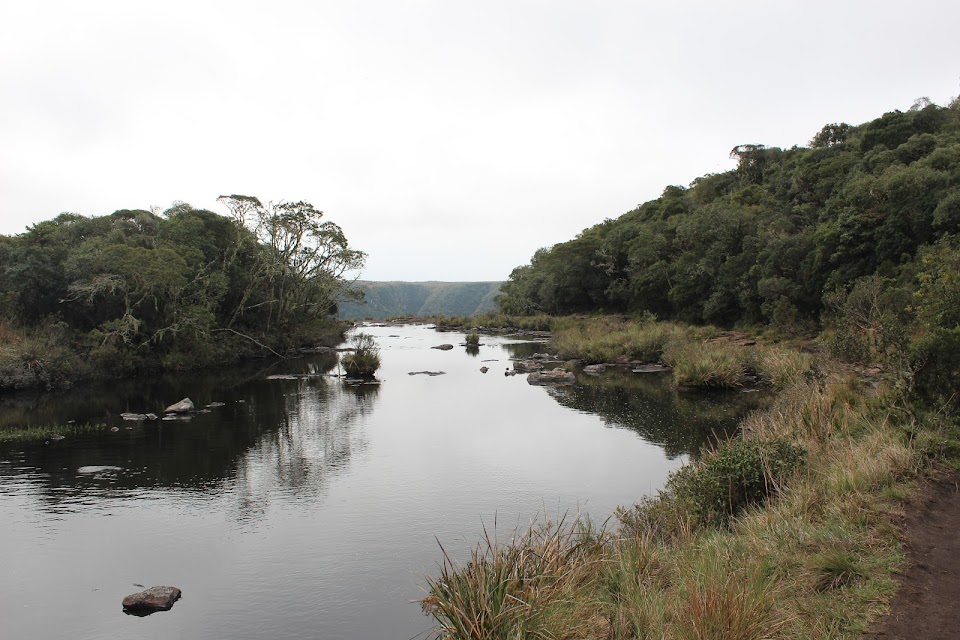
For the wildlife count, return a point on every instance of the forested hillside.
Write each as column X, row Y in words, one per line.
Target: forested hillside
column 782, row 238
column 391, row 299
column 136, row 291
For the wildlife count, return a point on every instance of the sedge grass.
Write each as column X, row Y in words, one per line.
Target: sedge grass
column 39, row 433
column 815, row 560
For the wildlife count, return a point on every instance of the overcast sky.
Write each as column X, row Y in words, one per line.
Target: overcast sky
column 450, row 139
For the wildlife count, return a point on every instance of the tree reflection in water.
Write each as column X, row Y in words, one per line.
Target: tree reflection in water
column 313, row 441
column 289, row 432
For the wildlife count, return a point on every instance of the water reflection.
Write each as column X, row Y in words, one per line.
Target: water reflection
column 286, row 435
column 682, row 424
column 318, row 501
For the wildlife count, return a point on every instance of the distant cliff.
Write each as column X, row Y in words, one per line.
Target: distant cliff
column 388, row 299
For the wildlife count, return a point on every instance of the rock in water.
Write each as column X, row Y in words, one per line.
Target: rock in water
column 443, row 347
column 557, row 376
column 594, row 369
column 184, row 406
column 152, row 599
column 526, row 366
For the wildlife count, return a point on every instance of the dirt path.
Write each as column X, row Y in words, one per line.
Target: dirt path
column 927, row 603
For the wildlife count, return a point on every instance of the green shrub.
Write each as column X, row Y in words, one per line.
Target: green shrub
column 739, row 474
column 473, row 339
column 364, row 361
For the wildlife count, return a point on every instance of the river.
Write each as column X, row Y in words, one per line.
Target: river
column 305, row 507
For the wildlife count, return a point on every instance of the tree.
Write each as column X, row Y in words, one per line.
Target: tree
column 306, row 258
column 831, row 135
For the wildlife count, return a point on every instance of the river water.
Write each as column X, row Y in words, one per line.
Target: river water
column 305, row 507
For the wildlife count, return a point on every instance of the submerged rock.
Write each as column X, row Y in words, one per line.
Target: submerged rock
column 443, row 347
column 484, row 369
column 557, row 376
column 594, row 369
column 184, row 406
column 426, row 373
column 152, row 599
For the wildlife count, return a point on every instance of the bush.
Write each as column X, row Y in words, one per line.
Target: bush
column 739, row 474
column 473, row 339
column 935, row 360
column 365, row 359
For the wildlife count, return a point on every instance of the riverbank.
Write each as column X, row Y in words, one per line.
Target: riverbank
column 49, row 433
column 790, row 530
column 53, row 357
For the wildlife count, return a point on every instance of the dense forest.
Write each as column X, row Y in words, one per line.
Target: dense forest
column 383, row 300
column 855, row 233
column 137, row 290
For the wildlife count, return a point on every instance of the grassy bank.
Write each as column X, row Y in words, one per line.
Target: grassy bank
column 48, row 432
column 702, row 357
column 489, row 321
column 786, row 532
column 53, row 356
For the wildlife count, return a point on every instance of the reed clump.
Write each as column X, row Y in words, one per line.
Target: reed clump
column 364, row 360
column 47, row 432
column 700, row 357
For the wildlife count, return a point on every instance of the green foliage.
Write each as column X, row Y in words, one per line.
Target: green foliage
column 364, row 360
column 134, row 290
column 763, row 242
column 735, row 476
column 473, row 339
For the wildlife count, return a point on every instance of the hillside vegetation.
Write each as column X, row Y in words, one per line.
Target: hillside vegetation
column 393, row 299
column 784, row 238
column 137, row 291
column 790, row 528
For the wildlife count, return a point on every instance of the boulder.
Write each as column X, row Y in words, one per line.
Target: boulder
column 443, row 347
column 134, row 416
column 152, row 599
column 184, row 406
column 484, row 369
column 526, row 366
column 594, row 369
column 557, row 376
column 542, row 356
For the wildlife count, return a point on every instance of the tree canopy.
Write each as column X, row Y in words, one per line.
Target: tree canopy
column 770, row 240
column 179, row 288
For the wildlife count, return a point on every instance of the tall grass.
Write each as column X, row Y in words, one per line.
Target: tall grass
column 808, row 553
column 697, row 356
column 529, row 587
column 45, row 432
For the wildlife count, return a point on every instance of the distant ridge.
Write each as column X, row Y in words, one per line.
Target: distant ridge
column 389, row 299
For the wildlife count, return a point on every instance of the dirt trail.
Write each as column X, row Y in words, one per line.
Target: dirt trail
column 927, row 602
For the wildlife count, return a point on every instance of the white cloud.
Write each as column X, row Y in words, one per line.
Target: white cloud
column 449, row 139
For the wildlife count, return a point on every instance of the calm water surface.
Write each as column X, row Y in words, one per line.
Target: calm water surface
column 308, row 508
